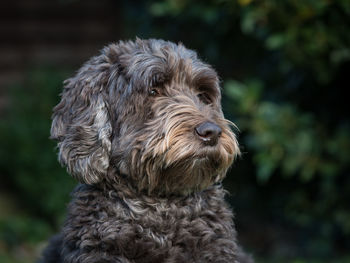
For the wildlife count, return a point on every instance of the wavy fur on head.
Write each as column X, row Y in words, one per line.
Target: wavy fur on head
column 150, row 192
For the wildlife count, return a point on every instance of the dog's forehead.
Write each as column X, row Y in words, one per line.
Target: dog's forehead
column 182, row 64
column 150, row 63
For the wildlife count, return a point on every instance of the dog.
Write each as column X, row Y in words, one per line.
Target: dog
column 141, row 127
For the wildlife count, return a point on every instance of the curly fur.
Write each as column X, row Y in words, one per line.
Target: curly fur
column 150, row 189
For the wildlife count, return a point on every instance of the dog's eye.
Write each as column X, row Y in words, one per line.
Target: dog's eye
column 205, row 98
column 154, row 92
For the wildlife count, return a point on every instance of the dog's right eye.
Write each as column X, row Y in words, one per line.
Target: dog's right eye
column 153, row 92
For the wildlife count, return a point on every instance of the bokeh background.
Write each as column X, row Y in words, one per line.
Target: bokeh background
column 284, row 67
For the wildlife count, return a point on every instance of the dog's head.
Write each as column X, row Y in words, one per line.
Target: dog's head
column 149, row 109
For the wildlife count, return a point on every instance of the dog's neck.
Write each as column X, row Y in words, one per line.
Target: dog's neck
column 116, row 184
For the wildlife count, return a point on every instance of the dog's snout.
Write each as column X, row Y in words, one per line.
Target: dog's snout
column 208, row 132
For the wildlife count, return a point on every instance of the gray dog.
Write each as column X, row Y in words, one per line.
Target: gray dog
column 141, row 127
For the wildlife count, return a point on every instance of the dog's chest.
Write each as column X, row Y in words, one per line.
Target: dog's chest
column 174, row 232
column 189, row 230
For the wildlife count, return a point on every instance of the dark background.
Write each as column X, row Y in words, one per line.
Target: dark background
column 284, row 67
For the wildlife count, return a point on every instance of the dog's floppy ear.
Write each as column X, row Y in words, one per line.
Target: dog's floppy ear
column 81, row 123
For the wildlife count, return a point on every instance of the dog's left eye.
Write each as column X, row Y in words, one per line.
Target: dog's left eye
column 205, row 98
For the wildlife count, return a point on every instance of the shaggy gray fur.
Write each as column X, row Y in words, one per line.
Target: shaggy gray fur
column 150, row 185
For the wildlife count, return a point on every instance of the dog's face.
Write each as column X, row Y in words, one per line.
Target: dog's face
column 149, row 109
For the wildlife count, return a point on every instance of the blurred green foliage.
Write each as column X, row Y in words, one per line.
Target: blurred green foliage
column 310, row 34
column 287, row 143
column 283, row 137
column 283, row 64
column 31, row 175
column 27, row 154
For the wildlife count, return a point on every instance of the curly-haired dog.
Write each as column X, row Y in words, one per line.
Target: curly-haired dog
column 141, row 127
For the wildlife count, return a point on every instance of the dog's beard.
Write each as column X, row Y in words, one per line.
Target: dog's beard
column 190, row 174
column 178, row 162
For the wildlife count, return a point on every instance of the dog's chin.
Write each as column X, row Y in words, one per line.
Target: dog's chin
column 195, row 172
column 214, row 159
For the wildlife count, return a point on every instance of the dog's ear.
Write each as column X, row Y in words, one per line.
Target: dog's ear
column 81, row 123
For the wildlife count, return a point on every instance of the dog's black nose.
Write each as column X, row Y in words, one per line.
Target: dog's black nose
column 208, row 132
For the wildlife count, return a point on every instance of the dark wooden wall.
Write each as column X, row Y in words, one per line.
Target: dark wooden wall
column 61, row 33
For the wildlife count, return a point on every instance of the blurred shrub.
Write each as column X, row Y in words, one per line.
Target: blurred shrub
column 287, row 143
column 283, row 137
column 310, row 34
column 28, row 163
